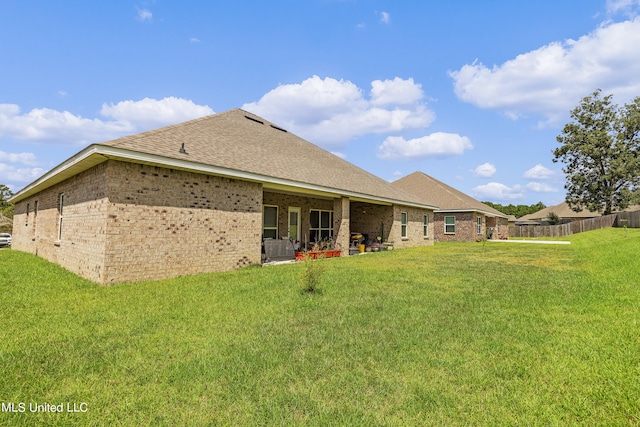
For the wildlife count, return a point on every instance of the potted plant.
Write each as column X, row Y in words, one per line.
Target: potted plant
column 320, row 249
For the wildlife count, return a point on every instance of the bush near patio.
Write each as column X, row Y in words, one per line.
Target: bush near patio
column 456, row 334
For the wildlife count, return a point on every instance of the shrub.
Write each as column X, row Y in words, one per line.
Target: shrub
column 311, row 273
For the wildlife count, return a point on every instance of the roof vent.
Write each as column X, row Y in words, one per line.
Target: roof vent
column 280, row 129
column 182, row 150
column 254, row 120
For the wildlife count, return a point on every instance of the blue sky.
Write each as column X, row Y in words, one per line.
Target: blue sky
column 471, row 92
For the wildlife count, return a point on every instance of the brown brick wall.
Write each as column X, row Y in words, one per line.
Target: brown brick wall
column 284, row 201
column 341, row 223
column 372, row 219
column 81, row 248
column 465, row 227
column 466, row 230
column 164, row 223
column 415, row 229
column 128, row 222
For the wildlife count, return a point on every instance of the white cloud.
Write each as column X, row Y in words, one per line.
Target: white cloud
column 539, row 172
column 626, row 7
column 551, row 80
column 194, row 40
column 485, row 170
column 497, row 191
column 385, row 17
column 339, row 154
column 28, row 159
column 539, row 187
column 150, row 112
column 145, row 15
column 15, row 174
column 331, row 112
column 397, row 91
column 438, row 144
column 65, row 128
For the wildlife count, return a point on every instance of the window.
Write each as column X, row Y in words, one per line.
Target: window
column 60, row 206
column 321, row 225
column 449, row 225
column 35, row 217
column 403, row 224
column 270, row 222
column 425, row 226
column 479, row 225
column 26, row 219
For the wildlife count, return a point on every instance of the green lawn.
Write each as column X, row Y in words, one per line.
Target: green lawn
column 456, row 334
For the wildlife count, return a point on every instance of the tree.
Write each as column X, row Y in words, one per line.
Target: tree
column 6, row 209
column 553, row 218
column 600, row 149
column 5, row 195
column 517, row 211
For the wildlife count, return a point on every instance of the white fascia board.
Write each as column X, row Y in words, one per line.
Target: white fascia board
column 96, row 153
column 490, row 214
column 81, row 161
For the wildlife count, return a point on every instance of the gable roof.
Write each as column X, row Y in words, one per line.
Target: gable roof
column 562, row 210
column 240, row 145
column 447, row 198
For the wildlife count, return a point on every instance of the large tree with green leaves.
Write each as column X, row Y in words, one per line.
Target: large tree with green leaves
column 6, row 209
column 600, row 149
column 516, row 210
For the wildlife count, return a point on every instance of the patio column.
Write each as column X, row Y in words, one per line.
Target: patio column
column 341, row 231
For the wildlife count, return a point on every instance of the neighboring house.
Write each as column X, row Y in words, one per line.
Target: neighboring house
column 565, row 215
column 200, row 197
column 458, row 217
column 564, row 212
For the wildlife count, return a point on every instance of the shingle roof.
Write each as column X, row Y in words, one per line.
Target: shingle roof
column 434, row 192
column 241, row 141
column 564, row 211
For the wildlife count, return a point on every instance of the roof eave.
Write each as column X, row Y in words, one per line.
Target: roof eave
column 80, row 162
column 98, row 153
column 491, row 214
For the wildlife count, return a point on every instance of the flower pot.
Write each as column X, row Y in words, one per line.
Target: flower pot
column 330, row 253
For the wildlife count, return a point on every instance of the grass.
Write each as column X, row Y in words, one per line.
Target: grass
column 456, row 334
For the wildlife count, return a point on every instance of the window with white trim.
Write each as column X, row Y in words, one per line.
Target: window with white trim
column 320, row 225
column 425, row 226
column 479, row 225
column 60, row 208
column 35, row 217
column 449, row 225
column 403, row 224
column 270, row 222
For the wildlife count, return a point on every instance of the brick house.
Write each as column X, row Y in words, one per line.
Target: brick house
column 201, row 196
column 459, row 217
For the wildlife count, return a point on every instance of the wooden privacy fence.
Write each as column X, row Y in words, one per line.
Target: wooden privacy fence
column 630, row 219
column 574, row 227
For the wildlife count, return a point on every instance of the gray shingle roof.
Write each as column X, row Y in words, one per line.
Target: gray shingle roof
column 241, row 141
column 434, row 192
